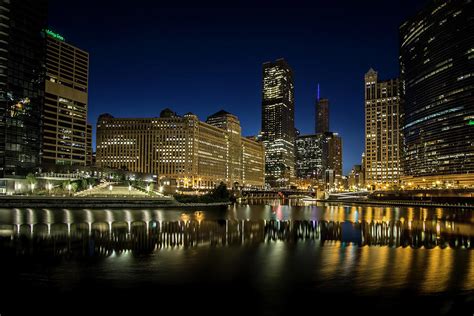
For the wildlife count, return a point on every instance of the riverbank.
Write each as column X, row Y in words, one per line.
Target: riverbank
column 399, row 203
column 97, row 202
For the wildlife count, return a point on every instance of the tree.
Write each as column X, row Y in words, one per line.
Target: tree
column 91, row 181
column 220, row 192
column 74, row 186
column 150, row 187
column 83, row 184
column 31, row 178
column 139, row 183
column 66, row 184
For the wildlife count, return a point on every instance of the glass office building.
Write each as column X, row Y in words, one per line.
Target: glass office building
column 22, row 53
column 437, row 72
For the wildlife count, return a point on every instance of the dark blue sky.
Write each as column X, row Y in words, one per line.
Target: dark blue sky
column 146, row 56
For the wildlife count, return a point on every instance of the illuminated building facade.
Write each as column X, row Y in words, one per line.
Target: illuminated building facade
column 21, row 84
column 334, row 156
column 437, row 71
column 310, row 159
column 356, row 178
column 231, row 124
column 89, row 153
column 65, row 130
column 278, row 123
column 319, row 157
column 382, row 131
column 194, row 153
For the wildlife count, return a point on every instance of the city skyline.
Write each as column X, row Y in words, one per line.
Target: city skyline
column 168, row 59
column 153, row 154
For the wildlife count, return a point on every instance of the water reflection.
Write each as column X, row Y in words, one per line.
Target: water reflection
column 110, row 232
column 272, row 249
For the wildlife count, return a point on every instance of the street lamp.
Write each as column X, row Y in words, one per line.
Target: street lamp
column 148, row 188
column 69, row 187
column 32, row 187
column 129, row 188
column 110, row 188
column 49, row 187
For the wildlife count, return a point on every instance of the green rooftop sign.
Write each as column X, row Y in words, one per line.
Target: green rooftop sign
column 471, row 122
column 54, row 35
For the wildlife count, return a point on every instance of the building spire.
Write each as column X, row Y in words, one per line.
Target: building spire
column 318, row 92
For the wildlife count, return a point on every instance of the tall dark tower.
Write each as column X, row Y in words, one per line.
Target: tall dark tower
column 22, row 56
column 322, row 116
column 278, row 122
column 437, row 72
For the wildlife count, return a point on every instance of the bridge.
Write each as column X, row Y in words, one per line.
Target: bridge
column 266, row 194
column 347, row 195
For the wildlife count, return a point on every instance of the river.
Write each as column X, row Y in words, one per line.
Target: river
column 254, row 259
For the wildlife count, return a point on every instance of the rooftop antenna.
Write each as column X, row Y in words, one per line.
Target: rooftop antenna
column 318, row 91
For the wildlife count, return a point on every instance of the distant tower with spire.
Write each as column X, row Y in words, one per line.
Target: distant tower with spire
column 322, row 114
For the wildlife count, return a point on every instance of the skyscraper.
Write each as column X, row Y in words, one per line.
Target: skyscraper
column 319, row 158
column 334, row 157
column 231, row 124
column 278, row 123
column 89, row 153
column 356, row 178
column 311, row 160
column 322, row 116
column 65, row 104
column 437, row 72
column 22, row 56
column 382, row 132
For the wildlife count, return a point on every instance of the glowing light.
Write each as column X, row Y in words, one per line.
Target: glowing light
column 199, row 216
column 54, row 35
column 184, row 217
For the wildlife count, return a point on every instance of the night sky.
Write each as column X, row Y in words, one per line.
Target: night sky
column 146, row 56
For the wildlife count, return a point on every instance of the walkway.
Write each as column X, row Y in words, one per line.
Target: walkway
column 112, row 190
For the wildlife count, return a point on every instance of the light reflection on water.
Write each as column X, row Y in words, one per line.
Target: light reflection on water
column 366, row 250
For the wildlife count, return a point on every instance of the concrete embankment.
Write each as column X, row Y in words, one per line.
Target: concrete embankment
column 96, row 202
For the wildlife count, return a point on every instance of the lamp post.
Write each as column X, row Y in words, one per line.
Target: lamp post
column 49, row 186
column 69, row 187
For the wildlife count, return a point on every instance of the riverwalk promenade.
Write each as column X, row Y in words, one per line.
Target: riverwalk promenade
column 97, row 202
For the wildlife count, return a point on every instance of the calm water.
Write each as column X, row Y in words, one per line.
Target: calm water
column 270, row 259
